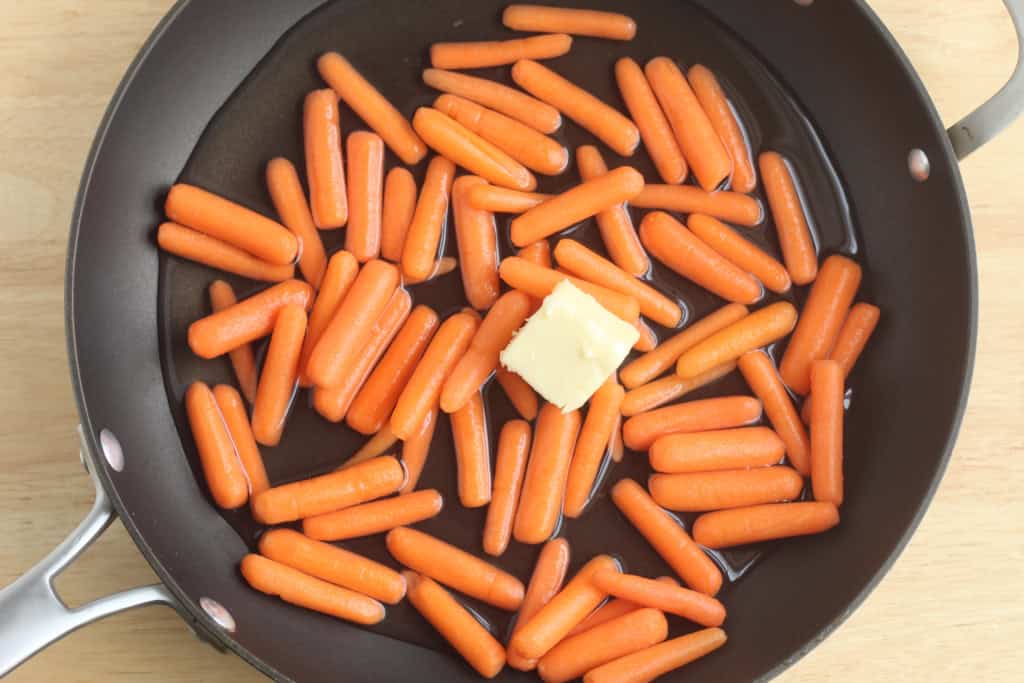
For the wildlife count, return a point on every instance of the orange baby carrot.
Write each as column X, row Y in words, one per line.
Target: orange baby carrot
column 399, row 206
column 341, row 272
column 243, row 361
column 296, row 588
column 231, row 223
column 496, row 199
column 538, row 253
column 455, row 568
column 372, row 406
column 222, row 468
column 416, row 448
column 733, row 207
column 655, row 130
column 850, row 342
column 289, row 199
column 332, row 564
column 729, row 528
column 477, row 239
column 578, row 22
column 236, row 419
column 472, row 452
column 379, row 444
column 325, row 169
column 827, row 431
column 545, row 583
column 520, row 394
column 705, row 491
column 428, row 221
column 351, row 326
column 532, row 149
column 423, row 389
column 501, row 98
column 369, row 105
column 648, row 340
column 725, row 122
column 480, row 55
column 679, row 249
column 617, row 449
column 667, row 389
column 723, row 412
column 791, row 225
column 824, row 313
column 329, row 492
column 689, row 604
column 758, row 329
column 591, row 447
column 615, row 225
column 374, row 518
column 538, row 282
column 667, row 537
column 724, row 449
column 613, row 609
column 653, row 662
column 759, row 371
column 741, row 252
column 196, row 246
column 442, row 266
column 365, row 195
column 513, row 450
column 280, row 376
column 649, row 366
column 458, row 626
column 540, row 504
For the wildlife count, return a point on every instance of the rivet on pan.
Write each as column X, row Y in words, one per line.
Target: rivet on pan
column 111, row 448
column 220, row 616
column 804, row 3
column 920, row 167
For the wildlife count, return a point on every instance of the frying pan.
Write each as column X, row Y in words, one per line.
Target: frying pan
column 825, row 83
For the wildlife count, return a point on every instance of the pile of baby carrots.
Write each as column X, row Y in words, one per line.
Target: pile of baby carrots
column 349, row 331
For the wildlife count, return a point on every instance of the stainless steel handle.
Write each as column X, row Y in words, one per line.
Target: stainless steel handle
column 33, row 616
column 988, row 120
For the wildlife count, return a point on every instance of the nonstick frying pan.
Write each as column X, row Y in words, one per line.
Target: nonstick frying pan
column 826, row 84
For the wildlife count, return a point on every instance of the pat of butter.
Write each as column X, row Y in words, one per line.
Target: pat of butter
column 569, row 347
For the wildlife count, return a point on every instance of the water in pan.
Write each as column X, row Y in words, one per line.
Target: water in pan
column 262, row 120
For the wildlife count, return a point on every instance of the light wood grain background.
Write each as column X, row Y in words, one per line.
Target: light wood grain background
column 951, row 609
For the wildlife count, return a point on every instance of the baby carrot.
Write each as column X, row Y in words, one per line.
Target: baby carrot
column 648, row 340
column 759, row 371
column 513, row 450
column 472, row 452
column 824, row 313
column 679, row 249
column 280, row 376
column 667, row 389
column 593, row 115
column 196, row 246
column 617, row 449
column 850, row 342
column 454, row 141
column 545, row 583
column 455, row 568
column 477, row 239
column 428, row 221
column 442, row 267
column 705, row 491
column 538, row 253
column 758, row 329
column 794, row 233
column 236, row 419
column 650, row 365
column 740, row 252
column 540, row 504
column 591, row 447
column 520, row 394
column 456, row 624
column 578, row 654
column 640, row 431
column 697, row 138
column 379, row 444
column 374, row 518
column 501, row 98
column 827, row 431
column 480, row 55
column 613, row 609
column 529, row 147
column 396, row 215
column 325, row 169
column 289, row 199
column 423, row 389
column 733, row 207
column 615, row 225
column 243, row 361
column 729, row 528
column 329, row 492
column 667, row 537
column 341, row 272
column 655, row 130
column 222, row 468
column 503, row 200
column 369, row 105
column 689, row 604
column 724, row 449
column 653, row 662
column 296, row 588
column 578, row 22
column 365, row 195
column 416, row 448
column 333, row 564
column 538, row 282
column 726, row 123
column 372, row 406
column 351, row 326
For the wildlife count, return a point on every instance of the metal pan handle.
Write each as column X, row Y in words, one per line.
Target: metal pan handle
column 33, row 616
column 988, row 120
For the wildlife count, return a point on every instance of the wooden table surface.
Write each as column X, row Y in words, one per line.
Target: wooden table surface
column 951, row 606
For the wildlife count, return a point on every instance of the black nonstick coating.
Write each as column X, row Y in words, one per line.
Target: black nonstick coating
column 128, row 310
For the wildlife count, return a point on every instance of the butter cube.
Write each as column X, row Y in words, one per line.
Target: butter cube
column 569, row 347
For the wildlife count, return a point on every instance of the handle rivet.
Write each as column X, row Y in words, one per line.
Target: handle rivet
column 804, row 3
column 218, row 613
column 111, row 448
column 919, row 165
